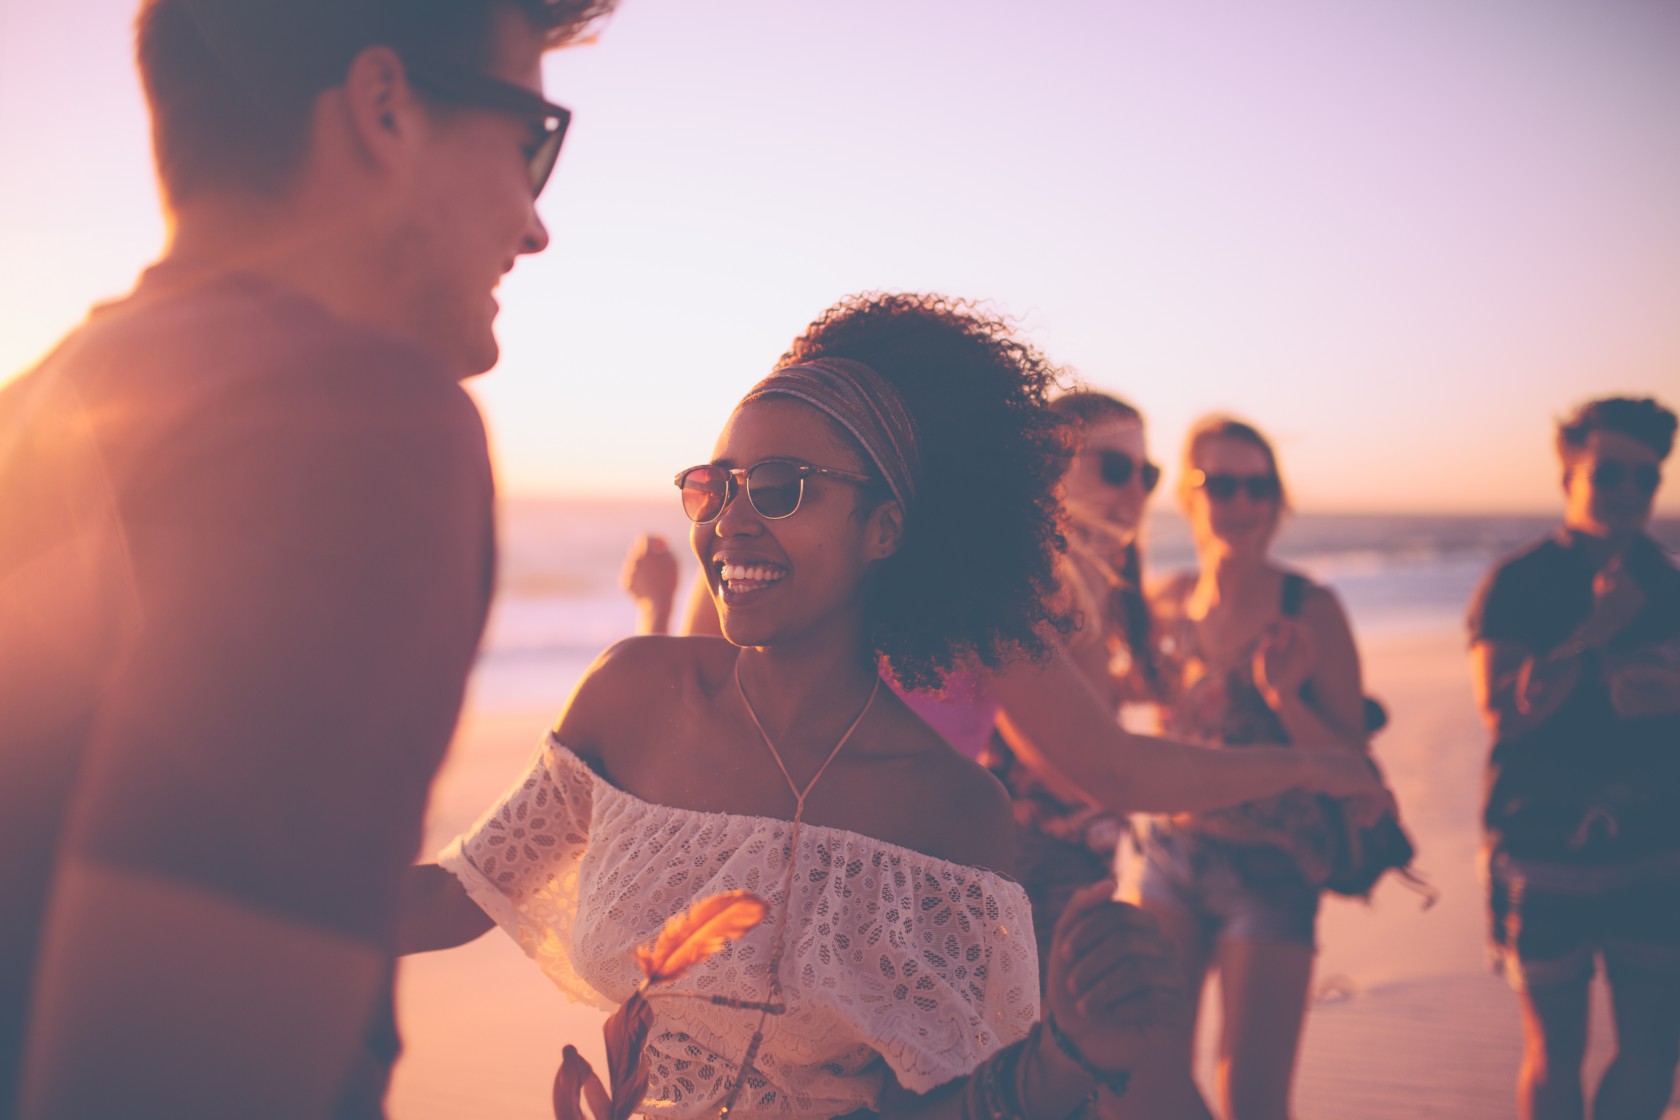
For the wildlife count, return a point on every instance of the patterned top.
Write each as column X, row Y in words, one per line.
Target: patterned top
column 896, row 961
column 1214, row 701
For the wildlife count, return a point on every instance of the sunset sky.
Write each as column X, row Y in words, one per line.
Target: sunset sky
column 1400, row 236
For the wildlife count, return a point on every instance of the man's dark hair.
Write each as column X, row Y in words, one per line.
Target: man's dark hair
column 1640, row 418
column 231, row 83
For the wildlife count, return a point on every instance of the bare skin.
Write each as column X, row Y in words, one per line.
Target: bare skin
column 664, row 719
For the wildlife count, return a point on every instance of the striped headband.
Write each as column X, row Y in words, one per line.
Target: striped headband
column 866, row 405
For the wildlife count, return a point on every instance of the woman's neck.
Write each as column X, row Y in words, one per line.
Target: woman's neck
column 1226, row 579
column 799, row 694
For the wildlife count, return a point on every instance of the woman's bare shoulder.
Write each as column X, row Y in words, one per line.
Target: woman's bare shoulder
column 978, row 813
column 1321, row 607
column 944, row 804
column 638, row 688
column 1166, row 595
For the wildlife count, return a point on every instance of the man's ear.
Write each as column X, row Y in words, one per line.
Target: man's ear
column 380, row 105
column 885, row 532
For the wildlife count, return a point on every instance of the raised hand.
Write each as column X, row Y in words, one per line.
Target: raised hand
column 1112, row 983
column 1284, row 660
column 650, row 576
column 1617, row 601
column 1544, row 683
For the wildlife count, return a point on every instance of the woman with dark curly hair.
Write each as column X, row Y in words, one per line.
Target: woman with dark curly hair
column 1052, row 702
column 885, row 492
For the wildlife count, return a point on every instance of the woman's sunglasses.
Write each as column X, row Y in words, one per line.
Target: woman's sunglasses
column 1224, row 487
column 1608, row 474
column 1116, row 468
column 775, row 487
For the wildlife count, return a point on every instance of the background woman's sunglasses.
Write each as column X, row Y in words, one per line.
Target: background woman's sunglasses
column 1608, row 474
column 1116, row 469
column 1224, row 487
column 775, row 487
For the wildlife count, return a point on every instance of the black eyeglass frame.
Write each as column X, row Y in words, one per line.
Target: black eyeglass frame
column 473, row 89
column 1108, row 458
column 737, row 479
column 1222, row 487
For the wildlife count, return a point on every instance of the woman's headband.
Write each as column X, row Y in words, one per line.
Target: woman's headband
column 866, row 405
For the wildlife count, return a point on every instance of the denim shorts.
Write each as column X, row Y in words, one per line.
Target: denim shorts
column 1550, row 923
column 1237, row 891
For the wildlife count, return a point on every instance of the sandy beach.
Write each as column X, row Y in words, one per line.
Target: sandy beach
column 1408, row 1021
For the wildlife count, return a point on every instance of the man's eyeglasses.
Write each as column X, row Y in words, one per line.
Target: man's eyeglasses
column 1224, row 487
column 1608, row 474
column 1116, row 468
column 467, row 87
column 775, row 487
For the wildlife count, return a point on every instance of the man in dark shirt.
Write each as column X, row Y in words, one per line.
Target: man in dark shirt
column 246, row 553
column 1575, row 658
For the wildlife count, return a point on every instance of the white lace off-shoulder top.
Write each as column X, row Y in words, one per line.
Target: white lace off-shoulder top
column 894, row 960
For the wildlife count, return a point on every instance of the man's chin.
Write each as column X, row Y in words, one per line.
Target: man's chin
column 477, row 358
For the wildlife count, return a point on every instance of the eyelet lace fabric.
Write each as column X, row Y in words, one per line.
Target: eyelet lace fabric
column 895, row 960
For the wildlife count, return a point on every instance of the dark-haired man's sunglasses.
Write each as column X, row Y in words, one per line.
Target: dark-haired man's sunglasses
column 1608, row 474
column 466, row 87
column 1224, row 487
column 1116, row 468
column 775, row 487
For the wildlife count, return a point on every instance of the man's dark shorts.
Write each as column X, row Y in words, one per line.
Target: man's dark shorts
column 1549, row 922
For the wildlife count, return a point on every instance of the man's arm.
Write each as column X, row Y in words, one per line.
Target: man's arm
column 314, row 570
column 160, row 999
column 1514, row 691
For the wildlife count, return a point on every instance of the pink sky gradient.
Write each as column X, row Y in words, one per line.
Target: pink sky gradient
column 1401, row 237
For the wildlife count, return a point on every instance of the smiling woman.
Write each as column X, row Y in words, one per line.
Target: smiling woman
column 897, row 471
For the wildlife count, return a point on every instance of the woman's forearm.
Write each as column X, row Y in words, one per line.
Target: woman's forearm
column 1050, row 707
column 1050, row 1087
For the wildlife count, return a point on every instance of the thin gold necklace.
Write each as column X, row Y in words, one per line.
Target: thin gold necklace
column 779, row 940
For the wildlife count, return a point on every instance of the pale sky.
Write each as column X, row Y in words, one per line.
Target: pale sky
column 1402, row 237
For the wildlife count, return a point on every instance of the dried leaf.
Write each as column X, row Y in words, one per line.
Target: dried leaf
column 698, row 932
column 576, row 1080
column 626, row 1036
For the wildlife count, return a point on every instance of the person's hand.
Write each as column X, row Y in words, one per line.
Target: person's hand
column 1351, row 777
column 1113, row 984
column 650, row 576
column 1617, row 601
column 1542, row 684
column 1284, row 660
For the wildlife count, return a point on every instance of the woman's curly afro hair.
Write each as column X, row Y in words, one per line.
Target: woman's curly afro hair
column 974, row 580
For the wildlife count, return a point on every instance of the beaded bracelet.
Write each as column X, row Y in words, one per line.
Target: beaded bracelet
column 990, row 1092
column 994, row 1090
column 1115, row 1081
column 1035, row 1043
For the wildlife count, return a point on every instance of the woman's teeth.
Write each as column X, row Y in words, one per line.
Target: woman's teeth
column 750, row 573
